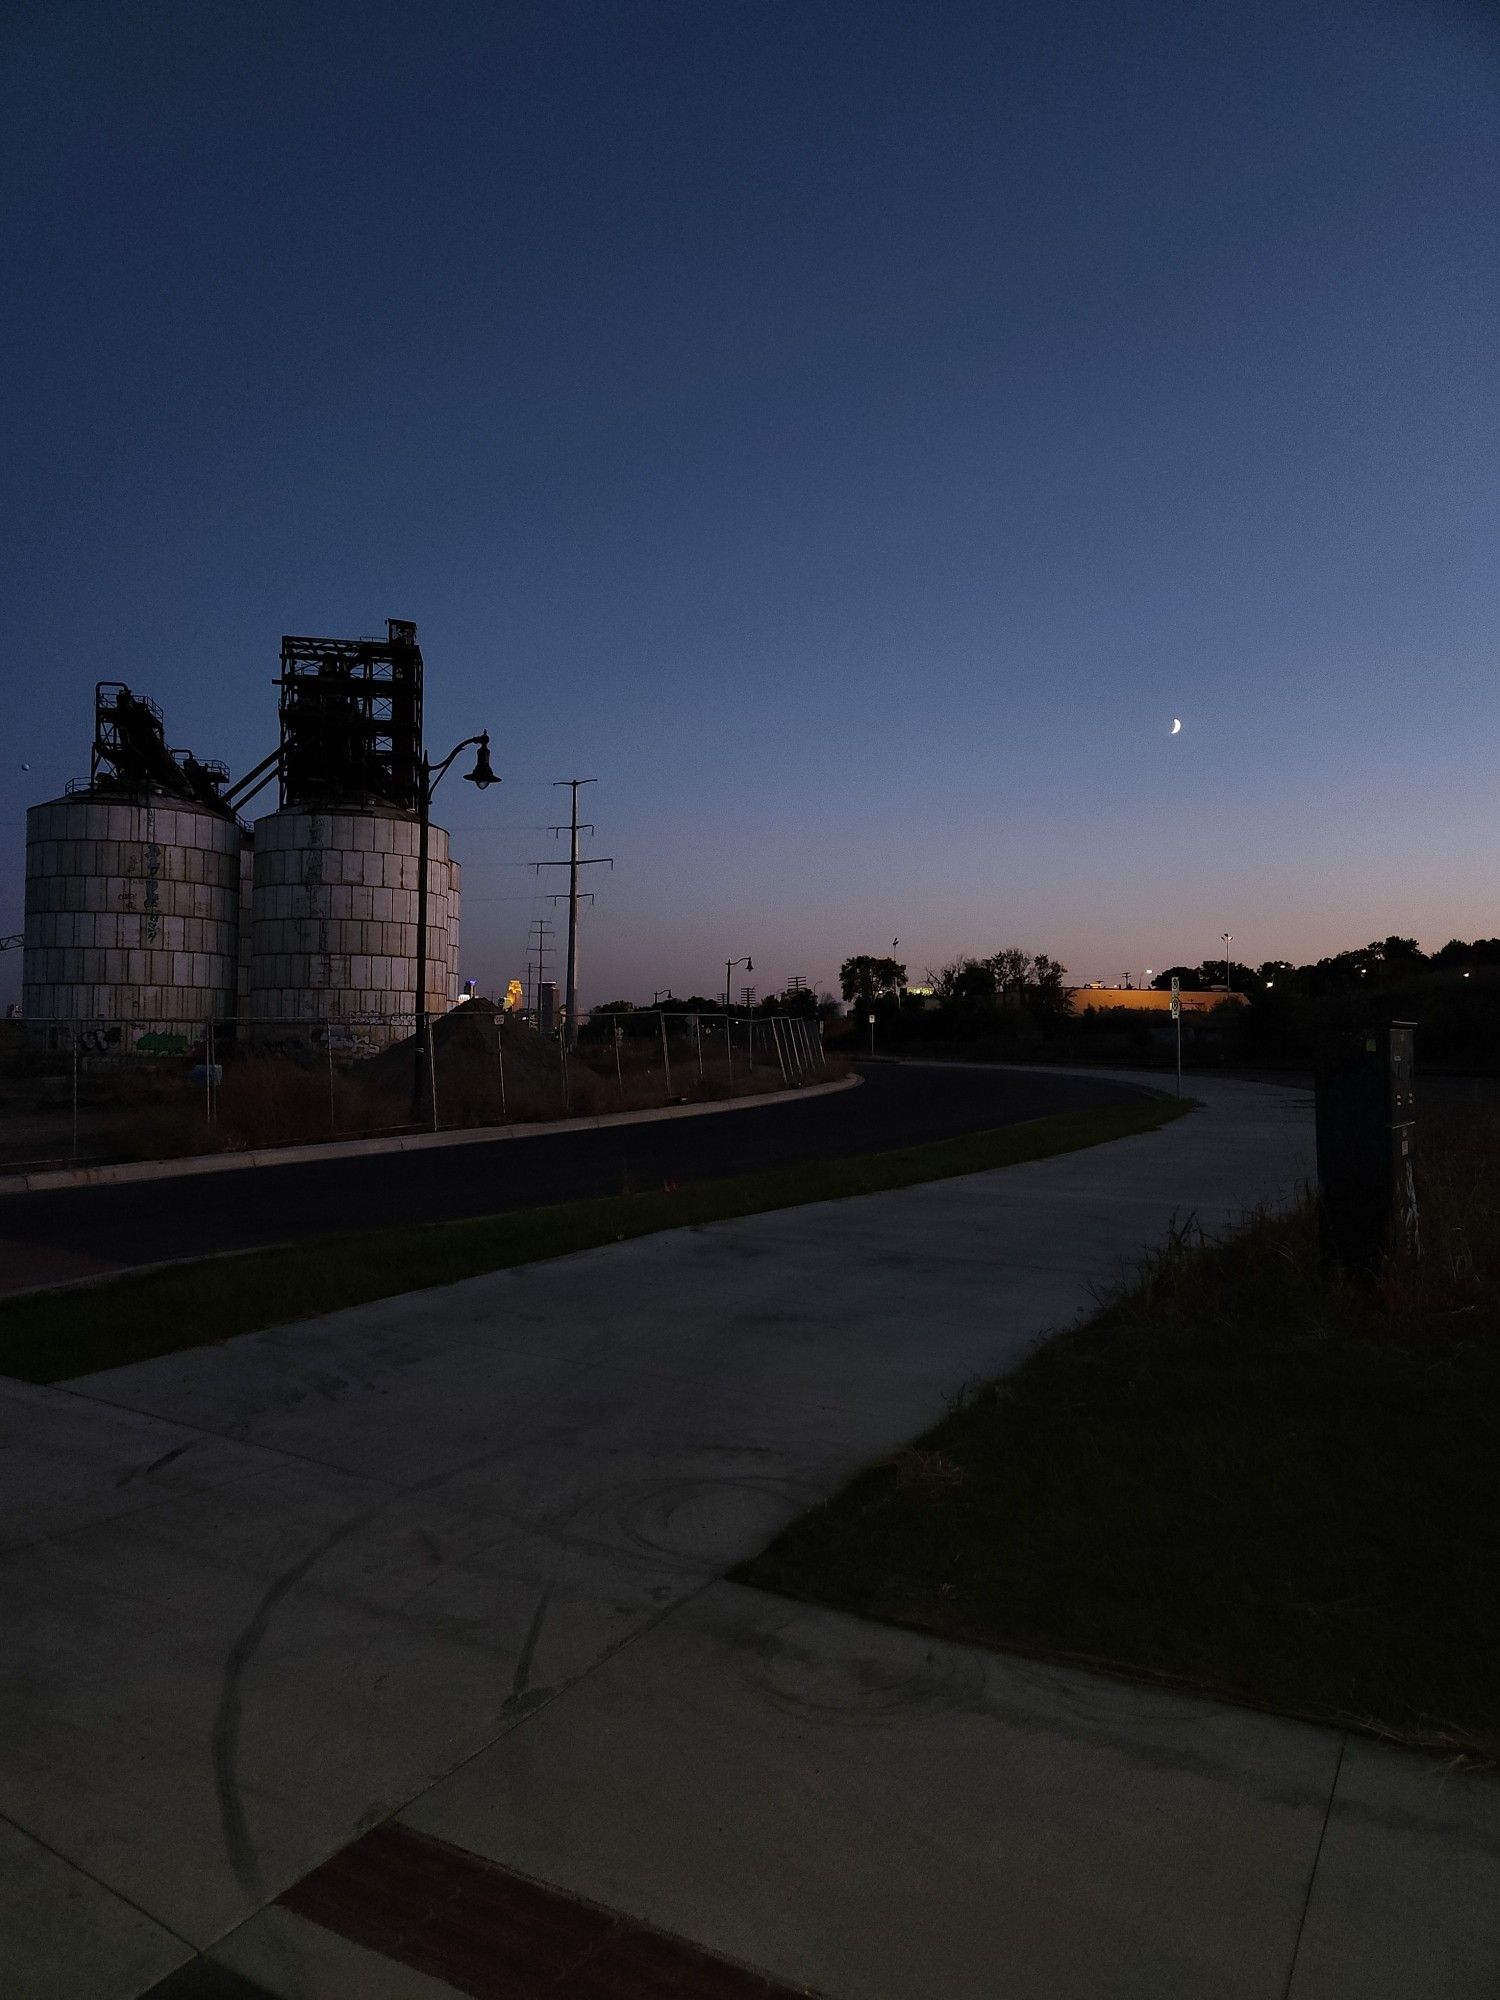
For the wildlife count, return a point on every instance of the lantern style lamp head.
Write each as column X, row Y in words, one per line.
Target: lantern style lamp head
column 482, row 775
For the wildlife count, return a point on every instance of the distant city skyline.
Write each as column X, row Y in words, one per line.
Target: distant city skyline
column 851, row 432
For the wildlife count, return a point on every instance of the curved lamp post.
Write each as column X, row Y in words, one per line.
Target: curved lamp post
column 429, row 776
column 729, row 965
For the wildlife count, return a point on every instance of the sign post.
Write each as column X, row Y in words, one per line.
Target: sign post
column 1177, row 1022
column 871, row 1019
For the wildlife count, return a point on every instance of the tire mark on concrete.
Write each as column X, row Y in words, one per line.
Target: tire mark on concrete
column 520, row 1685
column 144, row 1471
column 229, row 1718
column 238, row 1845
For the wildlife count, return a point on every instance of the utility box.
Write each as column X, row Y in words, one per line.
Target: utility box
column 1366, row 1137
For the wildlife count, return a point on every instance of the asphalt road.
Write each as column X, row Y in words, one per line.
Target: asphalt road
column 46, row 1237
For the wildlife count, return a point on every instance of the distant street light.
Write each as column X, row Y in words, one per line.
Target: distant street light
column 729, row 965
column 1228, row 938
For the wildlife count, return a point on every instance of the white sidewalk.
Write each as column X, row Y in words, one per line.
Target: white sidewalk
column 454, row 1556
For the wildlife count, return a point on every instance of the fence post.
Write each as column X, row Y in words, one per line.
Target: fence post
column 619, row 1073
column 431, row 1042
column 333, row 1123
column 666, row 1061
column 75, row 1090
column 729, row 1049
column 562, row 1051
column 775, row 1026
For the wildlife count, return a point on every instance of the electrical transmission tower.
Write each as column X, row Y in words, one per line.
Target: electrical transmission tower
column 540, row 948
column 572, row 898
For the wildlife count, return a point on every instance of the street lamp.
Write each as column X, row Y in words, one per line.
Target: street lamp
column 729, row 965
column 429, row 776
column 1228, row 938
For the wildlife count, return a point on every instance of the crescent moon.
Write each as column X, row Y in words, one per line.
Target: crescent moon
column 1176, row 729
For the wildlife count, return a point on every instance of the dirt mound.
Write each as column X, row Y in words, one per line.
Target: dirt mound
column 482, row 1061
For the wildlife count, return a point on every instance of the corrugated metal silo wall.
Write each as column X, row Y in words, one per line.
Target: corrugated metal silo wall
column 334, row 919
column 132, row 911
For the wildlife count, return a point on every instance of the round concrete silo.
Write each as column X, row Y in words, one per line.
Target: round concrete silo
column 334, row 920
column 132, row 912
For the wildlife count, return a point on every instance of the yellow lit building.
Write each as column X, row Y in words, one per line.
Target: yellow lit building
column 1147, row 999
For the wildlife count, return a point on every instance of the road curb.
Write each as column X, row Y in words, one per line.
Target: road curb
column 51, row 1179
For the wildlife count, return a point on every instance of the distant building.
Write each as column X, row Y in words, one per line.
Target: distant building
column 1147, row 999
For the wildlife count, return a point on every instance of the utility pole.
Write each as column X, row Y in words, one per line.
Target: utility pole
column 573, row 864
column 541, row 946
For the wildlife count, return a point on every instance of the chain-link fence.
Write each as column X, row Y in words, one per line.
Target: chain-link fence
column 701, row 1046
column 89, row 1091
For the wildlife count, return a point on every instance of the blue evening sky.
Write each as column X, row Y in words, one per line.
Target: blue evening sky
column 851, row 433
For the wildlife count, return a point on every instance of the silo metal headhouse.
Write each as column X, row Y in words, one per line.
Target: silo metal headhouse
column 334, row 904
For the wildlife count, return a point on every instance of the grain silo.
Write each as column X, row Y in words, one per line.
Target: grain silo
column 132, row 885
column 334, row 918
column 334, row 915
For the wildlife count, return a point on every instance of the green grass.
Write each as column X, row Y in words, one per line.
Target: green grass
column 1248, row 1477
column 55, row 1335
